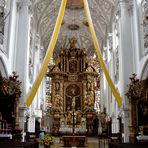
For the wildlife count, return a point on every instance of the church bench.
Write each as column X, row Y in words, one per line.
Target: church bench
column 10, row 144
column 128, row 145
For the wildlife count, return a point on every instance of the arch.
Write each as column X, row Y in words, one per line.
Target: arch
column 144, row 73
column 3, row 69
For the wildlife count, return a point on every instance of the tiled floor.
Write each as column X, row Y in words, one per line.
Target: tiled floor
column 91, row 143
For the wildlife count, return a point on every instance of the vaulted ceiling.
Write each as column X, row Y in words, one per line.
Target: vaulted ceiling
column 74, row 24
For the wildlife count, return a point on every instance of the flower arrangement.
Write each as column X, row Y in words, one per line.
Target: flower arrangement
column 47, row 140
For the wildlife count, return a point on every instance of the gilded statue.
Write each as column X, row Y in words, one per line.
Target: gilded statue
column 72, row 42
column 69, row 116
column 89, row 101
column 78, row 117
column 57, row 86
column 58, row 103
column 62, row 121
column 103, row 119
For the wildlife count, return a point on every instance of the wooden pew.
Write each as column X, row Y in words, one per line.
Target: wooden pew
column 128, row 145
column 10, row 144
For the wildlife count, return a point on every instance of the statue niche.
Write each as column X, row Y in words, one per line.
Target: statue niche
column 72, row 93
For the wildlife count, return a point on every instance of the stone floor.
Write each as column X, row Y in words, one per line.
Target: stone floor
column 91, row 143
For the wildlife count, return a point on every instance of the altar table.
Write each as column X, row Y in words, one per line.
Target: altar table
column 79, row 141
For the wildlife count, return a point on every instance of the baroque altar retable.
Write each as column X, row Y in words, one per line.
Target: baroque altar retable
column 72, row 85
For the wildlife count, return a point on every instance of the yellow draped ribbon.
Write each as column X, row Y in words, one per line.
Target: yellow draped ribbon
column 48, row 55
column 98, row 51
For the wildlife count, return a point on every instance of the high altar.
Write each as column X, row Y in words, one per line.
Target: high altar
column 72, row 92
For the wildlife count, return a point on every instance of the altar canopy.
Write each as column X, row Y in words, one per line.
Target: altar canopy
column 51, row 48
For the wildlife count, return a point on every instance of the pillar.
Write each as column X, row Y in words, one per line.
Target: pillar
column 22, row 53
column 126, row 58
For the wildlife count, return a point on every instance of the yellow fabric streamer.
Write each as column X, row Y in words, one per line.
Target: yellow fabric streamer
column 98, row 51
column 48, row 55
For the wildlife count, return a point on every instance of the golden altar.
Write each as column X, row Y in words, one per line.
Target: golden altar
column 72, row 80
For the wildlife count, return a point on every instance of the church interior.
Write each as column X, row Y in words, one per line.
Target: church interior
column 73, row 73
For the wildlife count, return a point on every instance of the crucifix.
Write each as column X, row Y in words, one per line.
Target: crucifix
column 73, row 102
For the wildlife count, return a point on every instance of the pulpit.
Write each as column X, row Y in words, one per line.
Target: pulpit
column 73, row 79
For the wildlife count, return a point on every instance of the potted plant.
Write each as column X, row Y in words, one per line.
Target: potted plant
column 47, row 141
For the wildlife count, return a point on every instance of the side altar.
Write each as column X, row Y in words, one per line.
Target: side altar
column 72, row 92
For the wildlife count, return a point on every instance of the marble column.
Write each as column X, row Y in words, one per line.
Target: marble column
column 126, row 58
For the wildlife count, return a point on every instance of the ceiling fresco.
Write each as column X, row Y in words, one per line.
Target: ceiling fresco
column 74, row 23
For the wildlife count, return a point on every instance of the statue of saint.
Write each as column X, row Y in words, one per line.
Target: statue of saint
column 103, row 118
column 78, row 117
column 58, row 103
column 73, row 42
column 89, row 101
column 57, row 87
column 69, row 116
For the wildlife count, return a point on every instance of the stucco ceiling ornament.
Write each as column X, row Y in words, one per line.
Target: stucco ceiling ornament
column 45, row 13
column 2, row 3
